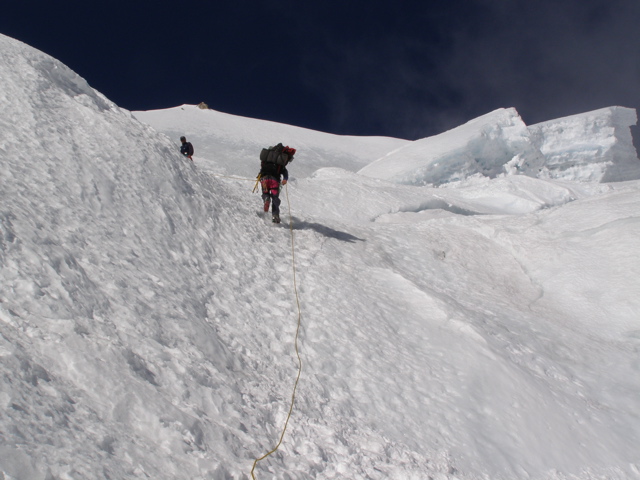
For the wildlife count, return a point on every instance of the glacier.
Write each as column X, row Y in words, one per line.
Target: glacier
column 483, row 328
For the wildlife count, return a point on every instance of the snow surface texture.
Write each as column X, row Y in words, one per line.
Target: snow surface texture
column 486, row 330
column 595, row 146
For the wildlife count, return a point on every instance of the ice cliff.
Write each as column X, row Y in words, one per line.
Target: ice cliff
column 590, row 147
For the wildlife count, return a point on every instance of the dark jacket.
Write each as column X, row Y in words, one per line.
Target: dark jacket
column 273, row 170
column 186, row 149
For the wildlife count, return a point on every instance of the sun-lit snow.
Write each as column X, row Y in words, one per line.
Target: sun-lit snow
column 230, row 142
column 484, row 329
column 594, row 146
column 483, row 145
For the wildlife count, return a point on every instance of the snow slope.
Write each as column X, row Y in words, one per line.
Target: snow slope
column 233, row 142
column 486, row 330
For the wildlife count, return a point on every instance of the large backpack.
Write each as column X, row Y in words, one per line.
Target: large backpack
column 280, row 155
column 186, row 149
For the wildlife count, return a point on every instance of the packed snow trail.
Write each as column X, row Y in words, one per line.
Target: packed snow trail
column 295, row 385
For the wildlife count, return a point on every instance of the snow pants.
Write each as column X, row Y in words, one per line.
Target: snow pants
column 271, row 191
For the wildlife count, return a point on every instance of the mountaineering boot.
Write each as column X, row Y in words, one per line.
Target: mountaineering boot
column 266, row 205
column 276, row 219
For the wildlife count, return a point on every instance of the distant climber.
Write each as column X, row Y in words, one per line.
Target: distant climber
column 186, row 149
column 273, row 174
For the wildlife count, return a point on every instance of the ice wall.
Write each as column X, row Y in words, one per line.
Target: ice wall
column 482, row 146
column 595, row 146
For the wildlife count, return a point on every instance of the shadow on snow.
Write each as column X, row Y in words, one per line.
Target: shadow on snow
column 298, row 224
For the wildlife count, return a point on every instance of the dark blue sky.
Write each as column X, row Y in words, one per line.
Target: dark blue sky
column 406, row 69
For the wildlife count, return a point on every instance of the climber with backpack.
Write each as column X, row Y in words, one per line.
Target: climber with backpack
column 273, row 174
column 186, row 149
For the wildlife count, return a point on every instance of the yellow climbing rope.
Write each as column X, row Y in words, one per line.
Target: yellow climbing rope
column 295, row 289
column 295, row 385
column 258, row 178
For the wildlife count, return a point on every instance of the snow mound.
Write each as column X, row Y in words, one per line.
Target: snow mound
column 393, row 203
column 590, row 147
